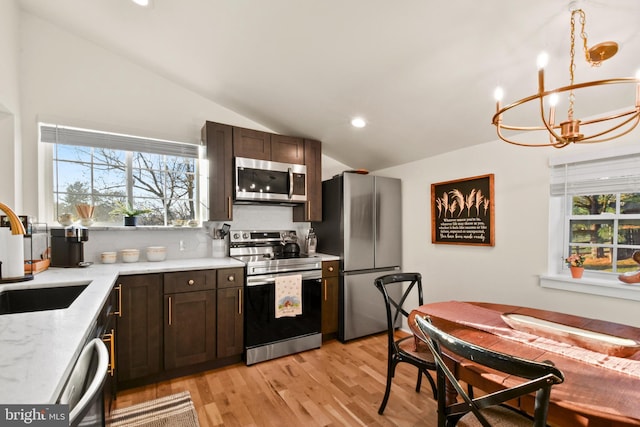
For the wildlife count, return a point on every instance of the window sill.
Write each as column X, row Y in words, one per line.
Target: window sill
column 137, row 227
column 590, row 285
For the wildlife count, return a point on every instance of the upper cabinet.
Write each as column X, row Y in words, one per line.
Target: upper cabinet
column 312, row 209
column 218, row 139
column 251, row 144
column 287, row 149
column 225, row 142
column 254, row 144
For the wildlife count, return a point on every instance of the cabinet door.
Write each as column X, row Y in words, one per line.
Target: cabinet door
column 219, row 142
column 139, row 326
column 189, row 328
column 312, row 209
column 230, row 322
column 287, row 149
column 252, row 144
column 330, row 289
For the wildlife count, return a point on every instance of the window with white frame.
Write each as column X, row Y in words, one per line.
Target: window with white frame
column 595, row 204
column 104, row 169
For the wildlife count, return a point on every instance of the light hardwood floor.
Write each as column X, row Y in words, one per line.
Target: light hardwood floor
column 336, row 385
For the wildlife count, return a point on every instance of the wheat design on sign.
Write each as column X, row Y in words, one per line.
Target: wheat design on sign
column 459, row 202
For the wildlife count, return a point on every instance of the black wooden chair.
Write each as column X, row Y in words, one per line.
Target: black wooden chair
column 403, row 349
column 488, row 410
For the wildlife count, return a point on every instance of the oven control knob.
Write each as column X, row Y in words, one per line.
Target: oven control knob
column 245, row 235
column 236, row 236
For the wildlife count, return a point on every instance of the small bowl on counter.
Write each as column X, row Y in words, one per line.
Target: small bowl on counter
column 156, row 253
column 108, row 257
column 130, row 255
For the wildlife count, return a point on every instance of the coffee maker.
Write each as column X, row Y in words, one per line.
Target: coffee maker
column 67, row 246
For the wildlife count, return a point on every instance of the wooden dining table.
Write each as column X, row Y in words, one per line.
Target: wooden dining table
column 591, row 394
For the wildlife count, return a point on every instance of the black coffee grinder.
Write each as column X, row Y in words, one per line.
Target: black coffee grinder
column 67, row 246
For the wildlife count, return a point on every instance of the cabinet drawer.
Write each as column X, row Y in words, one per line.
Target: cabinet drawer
column 230, row 277
column 330, row 268
column 188, row 281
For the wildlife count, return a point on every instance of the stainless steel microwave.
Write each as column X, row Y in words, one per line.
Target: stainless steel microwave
column 265, row 181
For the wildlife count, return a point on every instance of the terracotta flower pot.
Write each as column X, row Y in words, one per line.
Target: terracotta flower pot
column 576, row 272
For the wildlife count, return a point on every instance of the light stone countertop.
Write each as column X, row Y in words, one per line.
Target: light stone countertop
column 38, row 350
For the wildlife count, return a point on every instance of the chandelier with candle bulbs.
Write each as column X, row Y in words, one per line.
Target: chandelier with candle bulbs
column 572, row 130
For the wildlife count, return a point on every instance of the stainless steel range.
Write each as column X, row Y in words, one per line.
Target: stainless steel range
column 279, row 277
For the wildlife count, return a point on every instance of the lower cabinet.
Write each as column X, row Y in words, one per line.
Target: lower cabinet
column 230, row 312
column 330, row 290
column 139, row 339
column 176, row 323
column 189, row 318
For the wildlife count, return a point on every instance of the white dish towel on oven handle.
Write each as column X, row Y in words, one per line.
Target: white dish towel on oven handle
column 288, row 296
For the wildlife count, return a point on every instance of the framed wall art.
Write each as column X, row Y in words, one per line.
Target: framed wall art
column 462, row 211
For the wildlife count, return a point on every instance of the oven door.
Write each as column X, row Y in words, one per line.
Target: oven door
column 261, row 180
column 261, row 325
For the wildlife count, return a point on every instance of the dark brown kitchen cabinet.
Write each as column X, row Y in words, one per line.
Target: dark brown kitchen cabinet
column 218, row 138
column 330, row 290
column 287, row 149
column 224, row 142
column 312, row 209
column 230, row 312
column 139, row 326
column 252, row 144
column 189, row 318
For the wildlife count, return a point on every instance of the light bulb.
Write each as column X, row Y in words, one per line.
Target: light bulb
column 543, row 60
column 498, row 94
column 358, row 122
column 553, row 99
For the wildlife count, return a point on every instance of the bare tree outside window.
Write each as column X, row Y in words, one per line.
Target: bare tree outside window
column 164, row 184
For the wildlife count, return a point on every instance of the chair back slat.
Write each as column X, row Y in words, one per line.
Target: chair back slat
column 541, row 377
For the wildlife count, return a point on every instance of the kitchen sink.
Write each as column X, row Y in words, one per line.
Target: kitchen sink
column 38, row 299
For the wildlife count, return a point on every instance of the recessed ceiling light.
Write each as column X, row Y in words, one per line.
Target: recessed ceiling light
column 358, row 122
column 144, row 3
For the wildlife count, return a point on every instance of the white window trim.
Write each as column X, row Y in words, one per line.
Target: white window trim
column 45, row 184
column 593, row 283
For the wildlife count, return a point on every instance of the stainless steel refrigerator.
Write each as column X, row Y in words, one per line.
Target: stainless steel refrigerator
column 362, row 224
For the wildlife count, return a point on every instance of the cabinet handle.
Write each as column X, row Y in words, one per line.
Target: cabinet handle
column 239, row 300
column 325, row 289
column 229, row 207
column 330, row 268
column 170, row 319
column 110, row 337
column 191, row 282
column 119, row 312
column 231, row 278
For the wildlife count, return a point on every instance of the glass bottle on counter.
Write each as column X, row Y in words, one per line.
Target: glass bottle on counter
column 312, row 242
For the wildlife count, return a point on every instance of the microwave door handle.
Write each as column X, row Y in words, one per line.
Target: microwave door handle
column 290, row 183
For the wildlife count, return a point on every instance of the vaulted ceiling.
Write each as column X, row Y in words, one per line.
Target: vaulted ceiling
column 422, row 73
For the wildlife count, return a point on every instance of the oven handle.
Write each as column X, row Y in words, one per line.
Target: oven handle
column 269, row 279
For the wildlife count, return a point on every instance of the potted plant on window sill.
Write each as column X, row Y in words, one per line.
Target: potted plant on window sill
column 129, row 214
column 575, row 263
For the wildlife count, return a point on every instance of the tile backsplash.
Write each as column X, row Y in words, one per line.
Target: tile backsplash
column 186, row 242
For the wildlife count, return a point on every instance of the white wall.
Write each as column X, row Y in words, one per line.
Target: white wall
column 10, row 170
column 73, row 81
column 508, row 272
column 68, row 80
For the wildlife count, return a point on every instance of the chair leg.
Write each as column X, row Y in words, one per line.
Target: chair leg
column 419, row 381
column 434, row 388
column 390, row 372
